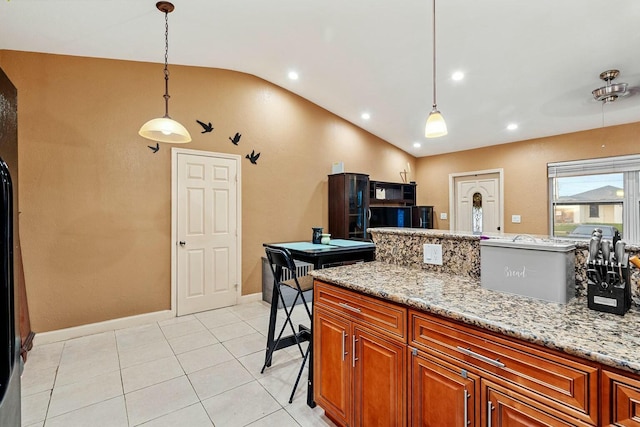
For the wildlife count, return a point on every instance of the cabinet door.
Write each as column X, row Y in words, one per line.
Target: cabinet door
column 504, row 408
column 620, row 400
column 380, row 367
column 332, row 366
column 441, row 394
column 358, row 204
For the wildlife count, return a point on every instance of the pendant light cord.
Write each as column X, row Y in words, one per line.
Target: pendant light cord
column 434, row 54
column 166, row 66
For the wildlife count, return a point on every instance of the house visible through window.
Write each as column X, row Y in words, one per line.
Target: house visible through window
column 596, row 193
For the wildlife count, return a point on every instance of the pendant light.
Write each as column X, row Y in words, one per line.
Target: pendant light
column 165, row 129
column 435, row 122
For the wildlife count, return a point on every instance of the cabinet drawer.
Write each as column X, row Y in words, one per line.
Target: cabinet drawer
column 556, row 380
column 620, row 400
column 503, row 407
column 382, row 316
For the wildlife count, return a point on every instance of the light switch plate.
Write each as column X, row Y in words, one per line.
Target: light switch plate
column 432, row 254
column 515, row 219
column 443, row 215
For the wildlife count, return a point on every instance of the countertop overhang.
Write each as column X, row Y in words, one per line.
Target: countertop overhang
column 572, row 328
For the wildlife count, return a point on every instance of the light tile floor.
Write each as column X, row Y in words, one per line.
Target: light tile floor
column 197, row 370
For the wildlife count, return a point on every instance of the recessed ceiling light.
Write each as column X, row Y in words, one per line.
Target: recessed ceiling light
column 417, row 145
column 458, row 75
column 293, row 75
column 512, row 126
column 366, row 116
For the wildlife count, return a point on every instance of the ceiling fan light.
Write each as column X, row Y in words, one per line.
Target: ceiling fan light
column 164, row 129
column 436, row 125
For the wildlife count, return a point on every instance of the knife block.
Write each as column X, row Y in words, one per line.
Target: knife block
column 609, row 287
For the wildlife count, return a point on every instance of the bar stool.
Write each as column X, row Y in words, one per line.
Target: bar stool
column 280, row 259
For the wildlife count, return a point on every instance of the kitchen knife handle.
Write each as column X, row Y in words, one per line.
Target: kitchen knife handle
column 478, row 356
column 605, row 246
column 594, row 245
column 619, row 251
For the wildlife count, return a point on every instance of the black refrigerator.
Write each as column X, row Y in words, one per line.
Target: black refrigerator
column 10, row 362
column 9, row 335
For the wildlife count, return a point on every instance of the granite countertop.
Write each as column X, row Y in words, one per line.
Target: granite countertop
column 573, row 328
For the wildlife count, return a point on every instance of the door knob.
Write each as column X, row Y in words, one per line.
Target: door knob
column 182, row 243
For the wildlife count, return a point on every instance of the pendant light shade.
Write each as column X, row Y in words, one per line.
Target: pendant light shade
column 436, row 125
column 165, row 129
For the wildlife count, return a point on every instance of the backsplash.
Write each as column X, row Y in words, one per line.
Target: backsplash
column 461, row 254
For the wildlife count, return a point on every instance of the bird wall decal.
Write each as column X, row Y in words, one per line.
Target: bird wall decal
column 253, row 157
column 208, row 127
column 236, row 138
column 154, row 149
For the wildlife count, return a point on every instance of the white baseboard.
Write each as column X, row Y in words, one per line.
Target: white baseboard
column 121, row 323
column 96, row 328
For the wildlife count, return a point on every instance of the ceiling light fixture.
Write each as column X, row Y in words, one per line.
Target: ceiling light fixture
column 366, row 116
column 611, row 91
column 435, row 122
column 165, row 129
column 417, row 145
column 512, row 126
column 293, row 75
column 457, row 76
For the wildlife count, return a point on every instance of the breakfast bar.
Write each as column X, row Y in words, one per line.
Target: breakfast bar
column 430, row 346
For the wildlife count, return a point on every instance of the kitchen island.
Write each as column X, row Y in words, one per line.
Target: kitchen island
column 571, row 328
column 438, row 349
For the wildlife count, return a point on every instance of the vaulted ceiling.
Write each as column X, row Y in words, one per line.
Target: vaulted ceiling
column 530, row 63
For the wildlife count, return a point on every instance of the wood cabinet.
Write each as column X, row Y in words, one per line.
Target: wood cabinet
column 620, row 399
column 517, row 378
column 348, row 205
column 504, row 408
column 360, row 358
column 379, row 363
column 441, row 394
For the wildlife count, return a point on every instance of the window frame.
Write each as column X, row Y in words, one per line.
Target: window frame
column 629, row 166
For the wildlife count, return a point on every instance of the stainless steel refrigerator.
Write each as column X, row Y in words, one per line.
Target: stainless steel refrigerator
column 10, row 365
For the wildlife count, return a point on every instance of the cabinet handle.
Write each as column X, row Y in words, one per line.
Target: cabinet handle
column 353, row 353
column 368, row 214
column 466, row 409
column 344, row 345
column 489, row 409
column 468, row 352
column 348, row 307
column 421, row 222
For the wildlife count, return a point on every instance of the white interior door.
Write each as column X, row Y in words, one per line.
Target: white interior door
column 206, row 232
column 489, row 216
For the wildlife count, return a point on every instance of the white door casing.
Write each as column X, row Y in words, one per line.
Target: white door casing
column 206, row 230
column 463, row 186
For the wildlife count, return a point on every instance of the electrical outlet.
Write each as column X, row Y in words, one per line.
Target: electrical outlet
column 433, row 254
column 515, row 219
column 443, row 215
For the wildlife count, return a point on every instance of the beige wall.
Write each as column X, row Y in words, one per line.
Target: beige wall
column 96, row 203
column 525, row 171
